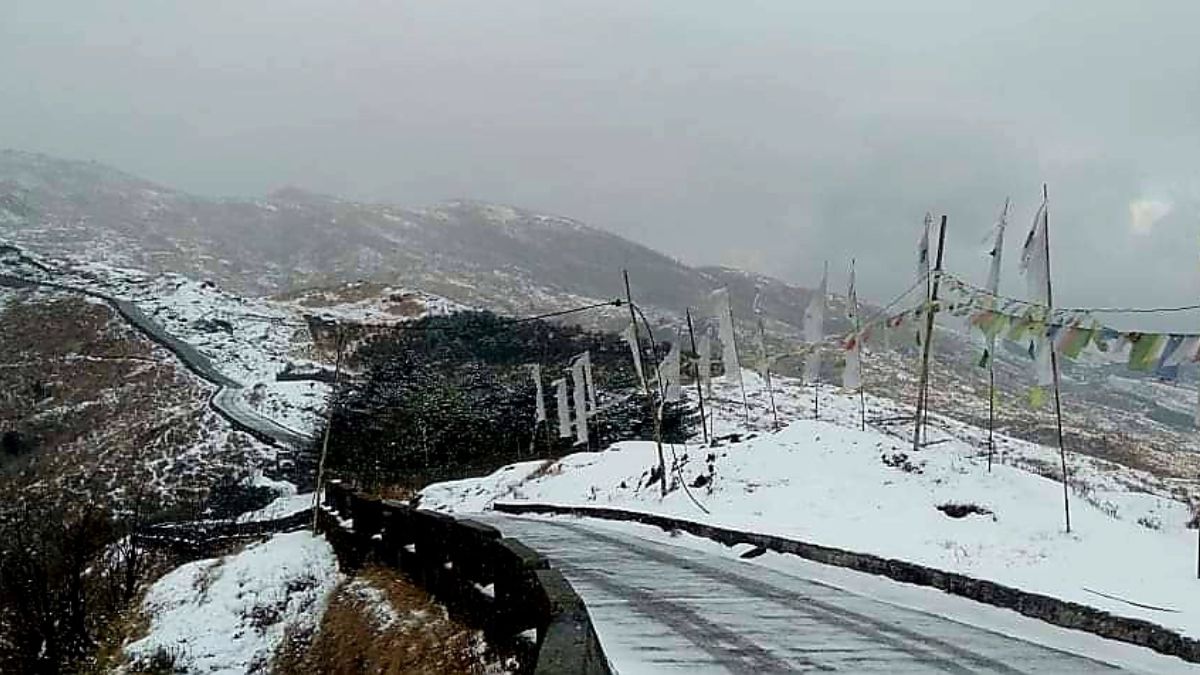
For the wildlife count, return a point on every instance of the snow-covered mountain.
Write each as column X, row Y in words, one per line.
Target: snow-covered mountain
column 478, row 254
column 516, row 261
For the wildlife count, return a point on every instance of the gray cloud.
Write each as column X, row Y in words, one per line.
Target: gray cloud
column 769, row 134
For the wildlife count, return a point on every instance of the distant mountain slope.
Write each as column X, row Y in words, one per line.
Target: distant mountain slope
column 479, row 254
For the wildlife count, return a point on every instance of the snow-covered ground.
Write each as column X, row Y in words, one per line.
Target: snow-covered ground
column 828, row 482
column 228, row 615
column 370, row 303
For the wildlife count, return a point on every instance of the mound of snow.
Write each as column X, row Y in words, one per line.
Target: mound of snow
column 228, row 615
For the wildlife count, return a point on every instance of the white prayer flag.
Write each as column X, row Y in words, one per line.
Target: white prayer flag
column 814, row 328
column 564, row 411
column 635, row 351
column 923, row 269
column 852, row 373
column 535, row 372
column 760, row 343
column 669, row 377
column 997, row 252
column 579, row 399
column 923, row 249
column 586, row 357
column 1035, row 264
column 724, row 313
column 704, row 362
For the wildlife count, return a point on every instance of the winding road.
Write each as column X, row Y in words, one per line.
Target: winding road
column 226, row 400
column 660, row 608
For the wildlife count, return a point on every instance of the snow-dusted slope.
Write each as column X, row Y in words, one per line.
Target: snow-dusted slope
column 228, row 615
column 828, row 482
column 249, row 342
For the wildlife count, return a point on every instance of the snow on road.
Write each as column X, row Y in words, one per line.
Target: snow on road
column 827, row 482
column 228, row 615
column 664, row 603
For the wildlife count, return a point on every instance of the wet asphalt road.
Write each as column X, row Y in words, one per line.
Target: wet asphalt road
column 663, row 608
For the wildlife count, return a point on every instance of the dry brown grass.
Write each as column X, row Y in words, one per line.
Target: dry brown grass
column 107, row 413
column 399, row 493
column 355, row 637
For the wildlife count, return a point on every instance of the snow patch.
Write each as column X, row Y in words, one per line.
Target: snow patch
column 228, row 615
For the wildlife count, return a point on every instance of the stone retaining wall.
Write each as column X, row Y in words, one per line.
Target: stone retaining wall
column 489, row 581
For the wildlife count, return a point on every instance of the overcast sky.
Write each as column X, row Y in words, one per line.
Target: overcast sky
column 770, row 135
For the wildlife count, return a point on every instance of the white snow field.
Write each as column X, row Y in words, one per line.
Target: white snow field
column 827, row 482
column 228, row 615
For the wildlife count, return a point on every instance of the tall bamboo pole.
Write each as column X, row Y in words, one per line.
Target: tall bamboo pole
column 762, row 336
column 1062, row 451
column 337, row 372
column 662, row 462
column 699, row 387
column 991, row 408
column 992, row 346
column 922, row 396
column 817, row 347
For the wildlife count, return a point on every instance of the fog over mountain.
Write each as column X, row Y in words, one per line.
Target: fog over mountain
column 769, row 135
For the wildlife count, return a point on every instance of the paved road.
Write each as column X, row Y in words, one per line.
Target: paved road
column 227, row 400
column 663, row 608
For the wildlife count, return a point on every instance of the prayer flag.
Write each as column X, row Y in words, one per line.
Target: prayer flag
column 1163, row 370
column 535, row 372
column 1072, row 340
column 814, row 328
column 635, row 351
column 580, row 402
column 852, row 372
column 1185, row 351
column 564, row 412
column 724, row 314
column 1035, row 263
column 1145, row 350
column 704, row 362
column 669, row 377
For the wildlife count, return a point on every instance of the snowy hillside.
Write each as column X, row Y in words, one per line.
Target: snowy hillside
column 828, row 482
column 230, row 614
column 250, row 341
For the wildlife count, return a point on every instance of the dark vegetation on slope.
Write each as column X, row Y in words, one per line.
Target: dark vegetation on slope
column 452, row 396
column 67, row 573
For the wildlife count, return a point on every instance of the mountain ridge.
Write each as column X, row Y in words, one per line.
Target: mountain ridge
column 477, row 253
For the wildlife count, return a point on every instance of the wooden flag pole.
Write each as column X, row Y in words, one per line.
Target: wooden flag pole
column 699, row 387
column 337, row 372
column 991, row 407
column 762, row 336
column 662, row 462
column 992, row 349
column 930, row 310
column 817, row 347
column 1062, row 451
